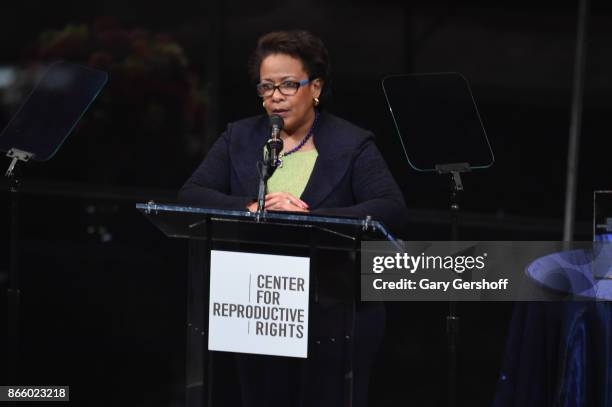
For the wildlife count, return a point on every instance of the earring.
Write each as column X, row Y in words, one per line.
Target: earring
column 263, row 104
column 316, row 101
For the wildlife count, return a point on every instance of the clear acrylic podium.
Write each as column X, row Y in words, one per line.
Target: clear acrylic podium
column 276, row 233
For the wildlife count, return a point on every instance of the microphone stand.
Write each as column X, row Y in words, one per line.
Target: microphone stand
column 263, row 167
column 274, row 146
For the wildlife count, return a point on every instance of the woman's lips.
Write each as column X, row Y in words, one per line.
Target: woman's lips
column 281, row 112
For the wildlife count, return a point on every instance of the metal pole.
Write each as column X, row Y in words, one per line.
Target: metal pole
column 214, row 20
column 452, row 320
column 575, row 121
column 14, row 293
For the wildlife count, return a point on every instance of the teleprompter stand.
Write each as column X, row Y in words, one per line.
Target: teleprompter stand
column 452, row 320
column 13, row 292
column 36, row 132
column 440, row 131
column 277, row 233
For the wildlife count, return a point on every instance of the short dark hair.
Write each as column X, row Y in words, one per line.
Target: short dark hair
column 300, row 44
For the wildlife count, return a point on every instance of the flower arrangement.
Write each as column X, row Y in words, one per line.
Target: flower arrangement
column 153, row 106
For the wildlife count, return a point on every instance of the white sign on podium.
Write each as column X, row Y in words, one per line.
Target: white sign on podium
column 259, row 303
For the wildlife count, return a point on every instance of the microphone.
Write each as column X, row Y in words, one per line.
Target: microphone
column 275, row 143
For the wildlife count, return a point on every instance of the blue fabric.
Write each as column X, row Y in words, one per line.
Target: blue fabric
column 573, row 272
column 558, row 354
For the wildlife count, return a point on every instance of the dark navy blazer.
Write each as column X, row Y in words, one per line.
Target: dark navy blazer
column 350, row 177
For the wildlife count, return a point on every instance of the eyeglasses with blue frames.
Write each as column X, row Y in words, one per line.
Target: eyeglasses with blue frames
column 287, row 88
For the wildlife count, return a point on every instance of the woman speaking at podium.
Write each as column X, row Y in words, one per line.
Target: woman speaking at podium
column 327, row 166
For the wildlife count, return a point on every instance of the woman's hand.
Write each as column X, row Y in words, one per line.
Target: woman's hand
column 284, row 201
column 281, row 201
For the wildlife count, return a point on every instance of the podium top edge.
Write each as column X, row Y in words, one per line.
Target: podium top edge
column 278, row 216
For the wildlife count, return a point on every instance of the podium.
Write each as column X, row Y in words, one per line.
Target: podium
column 332, row 245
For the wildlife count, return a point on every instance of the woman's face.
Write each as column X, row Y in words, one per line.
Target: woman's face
column 298, row 110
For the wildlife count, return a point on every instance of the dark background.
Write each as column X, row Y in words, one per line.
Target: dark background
column 104, row 291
